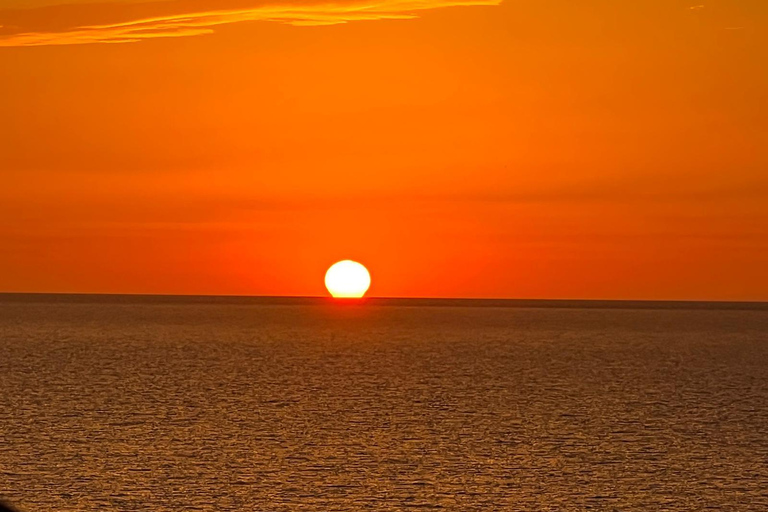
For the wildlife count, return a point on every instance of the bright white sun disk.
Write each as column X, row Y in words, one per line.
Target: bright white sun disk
column 347, row 279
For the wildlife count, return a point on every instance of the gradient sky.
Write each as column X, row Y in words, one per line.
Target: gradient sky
column 459, row 148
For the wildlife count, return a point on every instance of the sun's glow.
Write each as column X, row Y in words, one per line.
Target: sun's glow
column 347, row 280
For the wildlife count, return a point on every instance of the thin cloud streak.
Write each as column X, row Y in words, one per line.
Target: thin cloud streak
column 127, row 23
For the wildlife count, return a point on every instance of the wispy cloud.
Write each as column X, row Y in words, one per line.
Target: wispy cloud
column 121, row 22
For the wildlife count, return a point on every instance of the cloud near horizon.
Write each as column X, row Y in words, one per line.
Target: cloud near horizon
column 127, row 22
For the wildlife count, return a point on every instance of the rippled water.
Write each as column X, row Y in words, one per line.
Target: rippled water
column 167, row 405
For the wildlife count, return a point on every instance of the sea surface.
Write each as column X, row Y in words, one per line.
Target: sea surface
column 203, row 404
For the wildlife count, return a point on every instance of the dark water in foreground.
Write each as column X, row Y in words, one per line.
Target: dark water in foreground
column 166, row 405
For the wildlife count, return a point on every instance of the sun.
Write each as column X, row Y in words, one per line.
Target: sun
column 347, row 280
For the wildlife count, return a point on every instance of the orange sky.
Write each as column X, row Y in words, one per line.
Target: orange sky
column 458, row 148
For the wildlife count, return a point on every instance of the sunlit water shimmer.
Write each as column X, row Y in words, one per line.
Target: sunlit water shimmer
column 142, row 404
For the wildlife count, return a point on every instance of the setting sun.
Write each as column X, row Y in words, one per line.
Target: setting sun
column 564, row 205
column 347, row 280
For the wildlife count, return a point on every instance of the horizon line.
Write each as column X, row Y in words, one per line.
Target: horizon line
column 423, row 301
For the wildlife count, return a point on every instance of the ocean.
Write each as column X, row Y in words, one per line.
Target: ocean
column 233, row 404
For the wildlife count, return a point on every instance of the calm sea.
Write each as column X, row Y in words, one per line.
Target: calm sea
column 170, row 404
